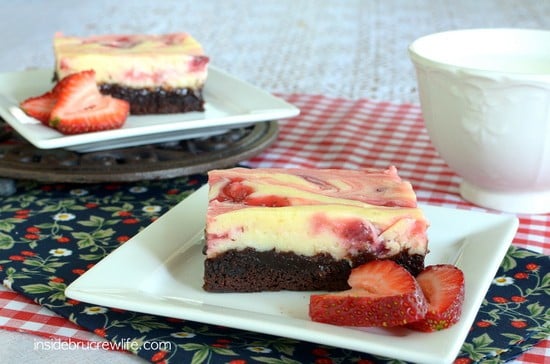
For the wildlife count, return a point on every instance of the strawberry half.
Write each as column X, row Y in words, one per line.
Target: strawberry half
column 81, row 108
column 40, row 107
column 382, row 294
column 443, row 286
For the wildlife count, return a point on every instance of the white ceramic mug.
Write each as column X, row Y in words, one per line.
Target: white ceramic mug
column 485, row 98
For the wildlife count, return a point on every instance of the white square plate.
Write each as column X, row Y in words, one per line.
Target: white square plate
column 160, row 271
column 229, row 103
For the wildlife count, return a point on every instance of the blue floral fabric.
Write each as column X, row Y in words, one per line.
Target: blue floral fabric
column 50, row 234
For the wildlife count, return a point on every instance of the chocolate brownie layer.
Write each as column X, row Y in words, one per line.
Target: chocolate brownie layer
column 251, row 271
column 157, row 101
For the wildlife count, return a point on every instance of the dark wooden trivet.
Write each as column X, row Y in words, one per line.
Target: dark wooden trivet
column 21, row 160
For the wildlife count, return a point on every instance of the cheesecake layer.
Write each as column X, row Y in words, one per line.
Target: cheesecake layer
column 338, row 212
column 339, row 230
column 169, row 61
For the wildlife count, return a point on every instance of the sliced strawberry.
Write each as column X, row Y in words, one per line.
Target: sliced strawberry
column 40, row 107
column 104, row 114
column 382, row 294
column 443, row 286
column 77, row 91
column 81, row 108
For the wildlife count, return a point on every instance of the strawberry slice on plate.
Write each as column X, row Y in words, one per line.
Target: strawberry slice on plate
column 40, row 107
column 443, row 287
column 382, row 294
column 81, row 108
column 76, row 106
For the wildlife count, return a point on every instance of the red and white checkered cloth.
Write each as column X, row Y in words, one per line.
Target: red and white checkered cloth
column 18, row 313
column 334, row 133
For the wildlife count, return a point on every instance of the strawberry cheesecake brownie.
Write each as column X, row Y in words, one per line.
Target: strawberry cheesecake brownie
column 156, row 74
column 305, row 229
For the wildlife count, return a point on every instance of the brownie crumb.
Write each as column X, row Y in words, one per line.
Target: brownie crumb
column 249, row 270
column 157, row 101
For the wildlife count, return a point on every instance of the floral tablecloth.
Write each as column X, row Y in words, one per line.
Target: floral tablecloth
column 50, row 234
